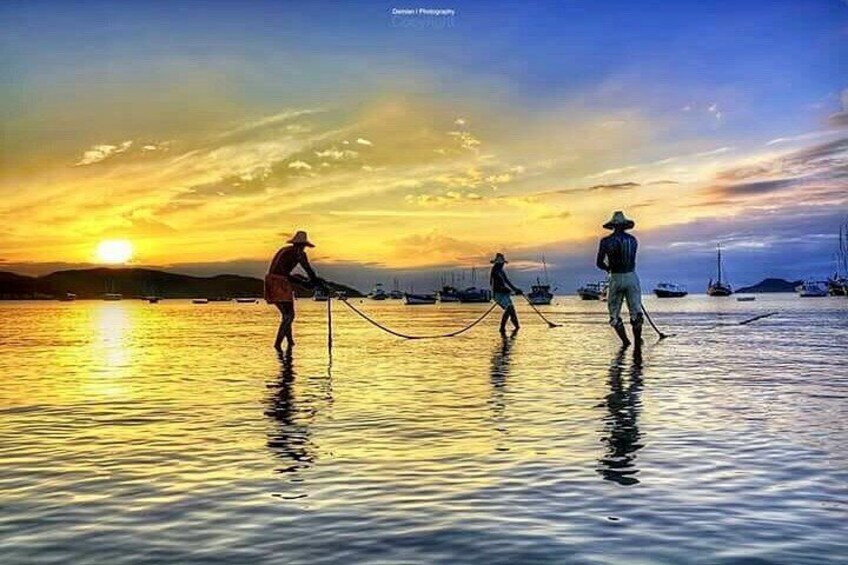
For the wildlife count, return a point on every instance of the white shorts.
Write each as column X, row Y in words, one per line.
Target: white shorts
column 624, row 286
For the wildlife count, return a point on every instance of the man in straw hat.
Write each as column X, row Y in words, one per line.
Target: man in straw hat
column 501, row 290
column 617, row 256
column 279, row 283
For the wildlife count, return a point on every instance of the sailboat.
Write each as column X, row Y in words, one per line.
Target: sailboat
column 540, row 293
column 396, row 293
column 812, row 289
column 837, row 285
column 110, row 294
column 719, row 287
column 473, row 294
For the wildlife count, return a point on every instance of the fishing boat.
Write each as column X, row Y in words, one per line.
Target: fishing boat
column 67, row 297
column 448, row 294
column 593, row 291
column 247, row 300
column 200, row 301
column 837, row 285
column 540, row 293
column 745, row 298
column 719, row 287
column 670, row 290
column 474, row 295
column 378, row 293
column 320, row 295
column 812, row 289
column 411, row 299
column 152, row 299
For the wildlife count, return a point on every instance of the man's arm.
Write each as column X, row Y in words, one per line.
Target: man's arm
column 508, row 283
column 304, row 262
column 602, row 254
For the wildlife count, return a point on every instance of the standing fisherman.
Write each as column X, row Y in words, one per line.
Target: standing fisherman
column 617, row 256
column 501, row 290
column 279, row 287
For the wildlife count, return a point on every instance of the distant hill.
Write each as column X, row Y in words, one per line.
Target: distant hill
column 771, row 285
column 134, row 282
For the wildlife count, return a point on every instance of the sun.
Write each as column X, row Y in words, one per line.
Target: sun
column 114, row 251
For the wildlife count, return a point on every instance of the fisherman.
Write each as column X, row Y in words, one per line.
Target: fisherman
column 501, row 290
column 279, row 284
column 617, row 256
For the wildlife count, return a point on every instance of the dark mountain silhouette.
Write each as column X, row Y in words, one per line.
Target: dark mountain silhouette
column 771, row 285
column 135, row 282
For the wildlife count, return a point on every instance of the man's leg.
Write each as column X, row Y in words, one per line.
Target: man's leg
column 288, row 322
column 614, row 299
column 634, row 306
column 513, row 315
column 504, row 318
column 281, row 331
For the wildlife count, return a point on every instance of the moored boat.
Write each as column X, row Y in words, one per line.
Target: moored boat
column 448, row 294
column 412, row 299
column 745, row 298
column 670, row 290
column 396, row 293
column 474, row 295
column 152, row 299
column 246, row 300
column 719, row 287
column 112, row 296
column 67, row 297
column 378, row 293
column 837, row 286
column 540, row 293
column 812, row 289
column 593, row 291
column 200, row 301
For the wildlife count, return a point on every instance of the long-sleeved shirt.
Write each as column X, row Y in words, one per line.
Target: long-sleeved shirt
column 500, row 282
column 289, row 257
column 617, row 253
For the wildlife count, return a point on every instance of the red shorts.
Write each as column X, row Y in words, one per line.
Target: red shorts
column 278, row 288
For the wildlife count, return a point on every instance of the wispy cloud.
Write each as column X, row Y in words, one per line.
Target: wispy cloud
column 100, row 153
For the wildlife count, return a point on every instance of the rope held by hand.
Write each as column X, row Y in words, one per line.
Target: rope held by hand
column 377, row 324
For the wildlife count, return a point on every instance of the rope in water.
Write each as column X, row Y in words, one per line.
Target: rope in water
column 377, row 324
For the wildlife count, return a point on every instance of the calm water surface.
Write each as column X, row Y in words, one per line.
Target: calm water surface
column 135, row 433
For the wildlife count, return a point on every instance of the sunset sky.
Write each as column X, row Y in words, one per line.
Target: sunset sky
column 204, row 132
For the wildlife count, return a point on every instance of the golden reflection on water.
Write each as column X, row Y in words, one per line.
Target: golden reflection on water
column 135, row 407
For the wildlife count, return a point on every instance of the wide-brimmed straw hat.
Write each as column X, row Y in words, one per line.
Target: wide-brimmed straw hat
column 619, row 220
column 499, row 259
column 300, row 239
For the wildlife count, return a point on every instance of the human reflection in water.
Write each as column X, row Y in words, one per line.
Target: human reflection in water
column 621, row 423
column 289, row 437
column 499, row 373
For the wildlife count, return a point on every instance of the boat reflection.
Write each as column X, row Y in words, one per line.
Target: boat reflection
column 290, row 438
column 621, row 423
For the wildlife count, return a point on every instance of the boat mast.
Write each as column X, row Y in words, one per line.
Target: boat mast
column 719, row 263
column 545, row 268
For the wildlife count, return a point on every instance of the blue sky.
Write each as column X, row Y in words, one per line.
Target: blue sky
column 542, row 101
